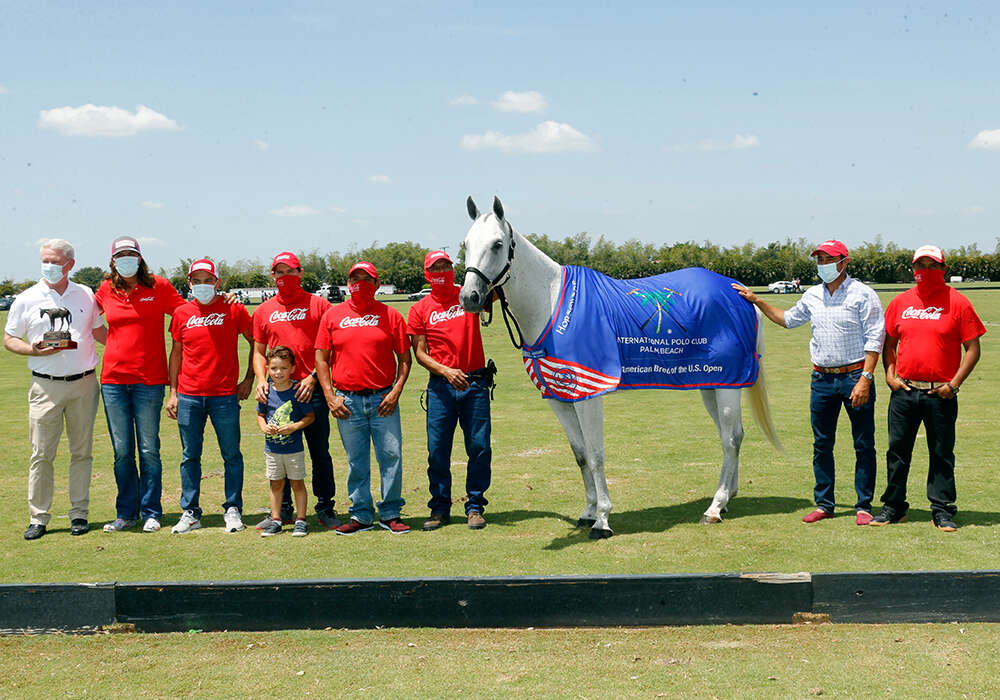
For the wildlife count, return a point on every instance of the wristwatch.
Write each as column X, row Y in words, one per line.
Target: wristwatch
column 868, row 375
column 954, row 389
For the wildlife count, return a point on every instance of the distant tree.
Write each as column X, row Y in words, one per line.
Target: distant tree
column 89, row 276
column 6, row 287
column 310, row 281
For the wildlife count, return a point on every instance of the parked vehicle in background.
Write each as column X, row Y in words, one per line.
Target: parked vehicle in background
column 784, row 287
column 417, row 296
column 331, row 293
column 978, row 279
column 5, row 303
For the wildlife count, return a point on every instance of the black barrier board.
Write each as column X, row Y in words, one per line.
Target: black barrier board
column 48, row 607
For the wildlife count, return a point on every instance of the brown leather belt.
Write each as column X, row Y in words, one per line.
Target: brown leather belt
column 843, row 369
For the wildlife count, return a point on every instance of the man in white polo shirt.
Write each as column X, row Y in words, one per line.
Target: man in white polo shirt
column 63, row 387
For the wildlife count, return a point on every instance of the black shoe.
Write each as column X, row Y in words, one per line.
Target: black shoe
column 287, row 514
column 888, row 516
column 79, row 526
column 34, row 531
column 941, row 522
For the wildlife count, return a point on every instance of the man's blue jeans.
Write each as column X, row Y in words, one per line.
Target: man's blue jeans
column 192, row 412
column 446, row 407
column 359, row 432
column 829, row 393
column 133, row 413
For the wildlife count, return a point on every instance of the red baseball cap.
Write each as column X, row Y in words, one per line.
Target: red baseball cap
column 433, row 256
column 831, row 247
column 204, row 264
column 929, row 251
column 123, row 243
column 288, row 258
column 366, row 266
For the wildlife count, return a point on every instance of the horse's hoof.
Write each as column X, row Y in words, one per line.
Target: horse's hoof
column 599, row 534
column 585, row 522
column 709, row 520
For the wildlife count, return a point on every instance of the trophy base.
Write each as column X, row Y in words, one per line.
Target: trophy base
column 51, row 341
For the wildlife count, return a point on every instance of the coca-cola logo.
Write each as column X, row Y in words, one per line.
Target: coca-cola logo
column 290, row 315
column 211, row 320
column 359, row 321
column 931, row 313
column 147, row 299
column 440, row 316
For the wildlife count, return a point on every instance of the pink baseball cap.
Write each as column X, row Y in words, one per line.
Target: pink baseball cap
column 366, row 266
column 929, row 251
column 204, row 264
column 288, row 258
column 433, row 256
column 831, row 247
column 123, row 243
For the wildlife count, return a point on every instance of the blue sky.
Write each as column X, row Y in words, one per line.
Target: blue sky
column 266, row 126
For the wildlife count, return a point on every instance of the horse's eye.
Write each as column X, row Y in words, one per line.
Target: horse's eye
column 498, row 245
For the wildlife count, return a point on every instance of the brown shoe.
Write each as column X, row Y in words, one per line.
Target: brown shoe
column 436, row 521
column 476, row 520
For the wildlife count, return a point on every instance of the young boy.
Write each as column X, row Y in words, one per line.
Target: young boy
column 281, row 418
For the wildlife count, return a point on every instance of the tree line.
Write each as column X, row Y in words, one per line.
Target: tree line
column 401, row 264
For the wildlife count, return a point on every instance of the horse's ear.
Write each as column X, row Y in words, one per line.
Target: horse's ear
column 473, row 209
column 497, row 208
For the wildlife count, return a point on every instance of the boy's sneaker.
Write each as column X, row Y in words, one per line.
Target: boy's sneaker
column 119, row 524
column 151, row 525
column 187, row 523
column 263, row 523
column 395, row 526
column 300, row 529
column 944, row 523
column 233, row 519
column 352, row 526
column 329, row 519
column 273, row 527
column 888, row 516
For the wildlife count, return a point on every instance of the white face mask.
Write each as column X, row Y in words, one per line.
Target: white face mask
column 52, row 272
column 828, row 273
column 204, row 293
column 127, row 265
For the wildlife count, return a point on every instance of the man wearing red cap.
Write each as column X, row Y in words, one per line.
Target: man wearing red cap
column 362, row 361
column 446, row 340
column 292, row 318
column 203, row 368
column 926, row 329
column 847, row 330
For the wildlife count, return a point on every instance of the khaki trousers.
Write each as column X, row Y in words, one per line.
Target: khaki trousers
column 50, row 403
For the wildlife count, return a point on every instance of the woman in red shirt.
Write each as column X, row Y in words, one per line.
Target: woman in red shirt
column 133, row 376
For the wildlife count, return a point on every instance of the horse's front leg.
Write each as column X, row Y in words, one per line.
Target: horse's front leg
column 724, row 407
column 571, row 424
column 590, row 414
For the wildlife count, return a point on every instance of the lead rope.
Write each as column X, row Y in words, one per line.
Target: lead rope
column 506, row 313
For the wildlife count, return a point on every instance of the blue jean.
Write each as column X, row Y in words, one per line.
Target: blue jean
column 446, row 407
column 192, row 412
column 829, row 393
column 133, row 413
column 362, row 429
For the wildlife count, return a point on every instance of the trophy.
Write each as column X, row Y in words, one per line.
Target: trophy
column 53, row 338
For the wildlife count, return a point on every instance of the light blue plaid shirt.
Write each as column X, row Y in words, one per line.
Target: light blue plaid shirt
column 845, row 324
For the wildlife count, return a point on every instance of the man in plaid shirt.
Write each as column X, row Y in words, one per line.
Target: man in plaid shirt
column 847, row 332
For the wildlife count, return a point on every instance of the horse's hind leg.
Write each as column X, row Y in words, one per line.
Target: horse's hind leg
column 724, row 407
column 571, row 424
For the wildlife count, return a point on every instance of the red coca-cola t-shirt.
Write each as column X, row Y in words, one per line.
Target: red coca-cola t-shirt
column 931, row 330
column 209, row 337
column 363, row 345
column 293, row 325
column 136, row 351
column 453, row 336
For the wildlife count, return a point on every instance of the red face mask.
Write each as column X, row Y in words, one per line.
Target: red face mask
column 289, row 287
column 362, row 294
column 929, row 279
column 442, row 283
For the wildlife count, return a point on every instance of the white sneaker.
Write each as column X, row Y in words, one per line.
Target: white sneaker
column 187, row 523
column 151, row 525
column 234, row 521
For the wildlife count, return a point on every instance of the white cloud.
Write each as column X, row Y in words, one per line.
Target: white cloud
column 986, row 140
column 360, row 222
column 150, row 240
column 261, row 145
column 530, row 101
column 547, row 137
column 148, row 204
column 737, row 143
column 96, row 120
column 295, row 210
column 463, row 100
column 338, row 210
column 380, row 179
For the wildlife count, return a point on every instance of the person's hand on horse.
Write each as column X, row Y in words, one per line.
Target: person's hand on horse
column 745, row 292
column 388, row 404
column 456, row 377
column 337, row 407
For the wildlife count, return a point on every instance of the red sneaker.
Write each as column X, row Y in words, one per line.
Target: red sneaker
column 816, row 515
column 395, row 526
column 864, row 518
column 352, row 526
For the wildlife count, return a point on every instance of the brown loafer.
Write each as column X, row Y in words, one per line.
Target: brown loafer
column 476, row 520
column 436, row 521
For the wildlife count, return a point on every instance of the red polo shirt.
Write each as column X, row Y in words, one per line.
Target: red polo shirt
column 293, row 325
column 135, row 352
column 363, row 345
column 453, row 336
column 209, row 337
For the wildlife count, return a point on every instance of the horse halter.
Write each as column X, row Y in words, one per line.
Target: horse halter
column 496, row 285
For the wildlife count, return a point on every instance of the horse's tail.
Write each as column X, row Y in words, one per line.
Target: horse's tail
column 758, row 394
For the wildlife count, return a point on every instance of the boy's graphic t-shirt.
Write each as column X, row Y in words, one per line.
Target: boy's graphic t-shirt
column 283, row 408
column 208, row 337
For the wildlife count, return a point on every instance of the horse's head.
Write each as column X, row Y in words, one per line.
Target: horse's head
column 489, row 250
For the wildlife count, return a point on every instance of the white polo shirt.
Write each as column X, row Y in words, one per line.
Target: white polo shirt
column 24, row 321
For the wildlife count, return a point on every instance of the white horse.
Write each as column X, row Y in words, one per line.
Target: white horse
column 530, row 281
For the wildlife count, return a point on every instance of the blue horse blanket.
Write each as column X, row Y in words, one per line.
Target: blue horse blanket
column 686, row 329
